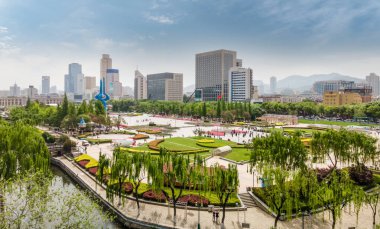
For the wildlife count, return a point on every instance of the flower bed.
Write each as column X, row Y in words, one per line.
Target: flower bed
column 192, row 199
column 206, row 141
column 153, row 196
column 83, row 163
column 149, row 131
column 93, row 170
column 153, row 145
column 122, row 132
column 140, row 136
column 127, row 187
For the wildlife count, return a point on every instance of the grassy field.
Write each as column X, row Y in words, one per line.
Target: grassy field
column 337, row 123
column 237, row 154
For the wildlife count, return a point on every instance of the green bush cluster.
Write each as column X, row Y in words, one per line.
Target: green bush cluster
column 98, row 141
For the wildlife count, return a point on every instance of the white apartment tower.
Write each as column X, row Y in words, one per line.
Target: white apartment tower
column 140, row 88
column 240, row 83
column 273, row 85
column 211, row 73
column 114, row 88
column 105, row 63
column 89, row 87
column 45, row 85
column 374, row 81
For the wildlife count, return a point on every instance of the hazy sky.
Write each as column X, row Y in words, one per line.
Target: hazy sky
column 273, row 37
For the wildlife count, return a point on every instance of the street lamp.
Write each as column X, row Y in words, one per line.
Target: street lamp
column 237, row 205
column 199, row 214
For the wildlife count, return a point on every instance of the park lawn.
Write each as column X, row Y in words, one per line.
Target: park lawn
column 303, row 130
column 179, row 144
column 242, row 154
column 337, row 123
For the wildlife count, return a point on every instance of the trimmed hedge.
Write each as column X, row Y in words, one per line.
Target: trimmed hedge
column 153, row 145
column 100, row 141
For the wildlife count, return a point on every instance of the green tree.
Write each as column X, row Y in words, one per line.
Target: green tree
column 137, row 173
column 204, row 110
column 218, row 110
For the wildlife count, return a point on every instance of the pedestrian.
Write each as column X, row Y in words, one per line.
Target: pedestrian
column 217, row 216
column 213, row 215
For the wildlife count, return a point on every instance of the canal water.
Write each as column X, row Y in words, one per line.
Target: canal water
column 67, row 185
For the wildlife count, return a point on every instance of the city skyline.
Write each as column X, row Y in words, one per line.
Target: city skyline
column 279, row 39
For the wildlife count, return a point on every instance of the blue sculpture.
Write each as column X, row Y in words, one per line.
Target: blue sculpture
column 102, row 96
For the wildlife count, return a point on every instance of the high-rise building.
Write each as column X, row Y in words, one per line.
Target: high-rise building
column 331, row 85
column 45, row 85
column 165, row 86
column 105, row 63
column 74, row 82
column 374, row 81
column 53, row 89
column 32, row 92
column 114, row 88
column 140, row 89
column 14, row 91
column 211, row 73
column 89, row 87
column 240, row 82
column 273, row 85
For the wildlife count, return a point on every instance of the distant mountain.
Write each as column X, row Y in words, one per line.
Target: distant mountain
column 189, row 88
column 297, row 82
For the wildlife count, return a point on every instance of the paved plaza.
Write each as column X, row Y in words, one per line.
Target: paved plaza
column 256, row 217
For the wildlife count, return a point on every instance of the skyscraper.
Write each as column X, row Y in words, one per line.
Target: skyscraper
column 14, row 91
column 89, row 87
column 211, row 73
column 105, row 63
column 374, row 81
column 165, row 86
column 45, row 85
column 240, row 81
column 114, row 88
column 273, row 85
column 74, row 82
column 140, row 89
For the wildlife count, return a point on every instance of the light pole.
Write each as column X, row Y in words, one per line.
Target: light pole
column 199, row 214
column 237, row 206
column 253, row 178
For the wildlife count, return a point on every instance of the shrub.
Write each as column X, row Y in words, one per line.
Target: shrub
column 322, row 173
column 48, row 137
column 100, row 141
column 128, row 187
column 152, row 124
column 153, row 145
column 361, row 175
column 140, row 136
column 153, row 196
column 67, row 145
column 192, row 199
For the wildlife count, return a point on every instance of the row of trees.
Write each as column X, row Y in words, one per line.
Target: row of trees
column 293, row 184
column 245, row 110
column 66, row 115
column 167, row 171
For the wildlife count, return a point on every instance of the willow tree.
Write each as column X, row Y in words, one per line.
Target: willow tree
column 280, row 193
column 137, row 173
column 120, row 167
column 337, row 191
column 287, row 153
column 372, row 200
column 103, row 168
column 224, row 181
column 22, row 151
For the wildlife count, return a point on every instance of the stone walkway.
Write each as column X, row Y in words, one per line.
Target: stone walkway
column 254, row 216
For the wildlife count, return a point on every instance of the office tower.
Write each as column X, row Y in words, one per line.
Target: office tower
column 14, row 91
column 239, row 63
column 45, row 85
column 165, row 86
column 260, row 86
column 273, row 85
column 32, row 92
column 74, row 82
column 321, row 87
column 373, row 80
column 211, row 73
column 140, row 89
column 89, row 87
column 113, row 86
column 240, row 82
column 105, row 63
column 53, row 90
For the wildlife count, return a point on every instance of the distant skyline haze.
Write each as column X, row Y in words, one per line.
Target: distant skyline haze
column 273, row 37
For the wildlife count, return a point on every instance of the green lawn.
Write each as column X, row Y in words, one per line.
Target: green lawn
column 237, row 154
column 337, row 123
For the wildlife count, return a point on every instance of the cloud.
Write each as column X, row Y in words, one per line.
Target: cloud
column 162, row 19
column 3, row 29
